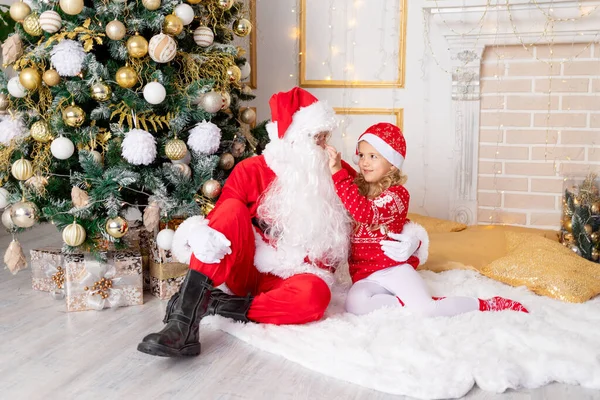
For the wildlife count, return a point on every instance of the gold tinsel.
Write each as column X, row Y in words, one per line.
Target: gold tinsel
column 42, row 157
column 211, row 66
column 5, row 156
column 588, row 192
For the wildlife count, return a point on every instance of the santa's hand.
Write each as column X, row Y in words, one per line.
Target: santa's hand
column 401, row 248
column 209, row 245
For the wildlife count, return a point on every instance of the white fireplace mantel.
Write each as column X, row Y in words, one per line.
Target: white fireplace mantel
column 468, row 27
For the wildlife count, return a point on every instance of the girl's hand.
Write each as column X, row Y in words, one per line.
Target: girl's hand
column 335, row 159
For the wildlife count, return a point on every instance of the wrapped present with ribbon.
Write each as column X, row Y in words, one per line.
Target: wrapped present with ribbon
column 48, row 272
column 95, row 285
column 139, row 237
column 166, row 278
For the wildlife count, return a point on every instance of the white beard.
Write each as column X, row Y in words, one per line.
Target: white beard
column 304, row 215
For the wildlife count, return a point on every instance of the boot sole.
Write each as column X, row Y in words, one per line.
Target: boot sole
column 155, row 349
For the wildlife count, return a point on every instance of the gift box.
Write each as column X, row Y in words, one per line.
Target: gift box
column 47, row 270
column 166, row 278
column 93, row 285
column 142, row 239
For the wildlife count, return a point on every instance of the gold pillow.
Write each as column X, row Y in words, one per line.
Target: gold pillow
column 436, row 225
column 469, row 249
column 546, row 267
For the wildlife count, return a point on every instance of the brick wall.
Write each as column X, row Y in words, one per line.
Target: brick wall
column 540, row 124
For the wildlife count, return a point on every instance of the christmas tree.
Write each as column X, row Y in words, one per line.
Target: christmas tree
column 120, row 106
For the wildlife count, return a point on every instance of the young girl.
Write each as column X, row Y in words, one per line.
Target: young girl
column 378, row 203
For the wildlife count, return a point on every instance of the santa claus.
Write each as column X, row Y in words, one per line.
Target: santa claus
column 274, row 238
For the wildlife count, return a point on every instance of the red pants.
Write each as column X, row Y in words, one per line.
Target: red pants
column 295, row 300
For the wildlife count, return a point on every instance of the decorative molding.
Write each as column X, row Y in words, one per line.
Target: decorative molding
column 468, row 29
column 311, row 83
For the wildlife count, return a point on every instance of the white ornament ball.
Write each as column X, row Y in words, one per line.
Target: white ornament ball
column 246, row 70
column 205, row 138
column 139, row 147
column 50, row 21
column 62, row 148
column 6, row 219
column 4, row 197
column 185, row 160
column 71, row 7
column 211, row 102
column 162, row 48
column 15, row 88
column 185, row 13
column 164, row 239
column 67, row 57
column 74, row 234
column 204, row 36
column 154, row 93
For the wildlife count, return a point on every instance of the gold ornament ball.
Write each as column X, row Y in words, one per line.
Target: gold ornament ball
column 115, row 30
column 116, row 227
column 184, row 169
column 137, row 46
column 242, row 27
column 172, row 25
column 568, row 225
column 23, row 214
column 151, row 4
column 37, row 182
column 19, row 10
column 73, row 116
column 3, row 102
column 226, row 100
column 225, row 4
column 71, row 7
column 31, row 25
column 226, row 161
column 568, row 237
column 595, row 237
column 51, row 77
column 22, row 169
column 234, row 73
column 194, row 1
column 248, row 116
column 126, row 77
column 246, row 89
column 238, row 149
column 175, row 149
column 576, row 201
column 211, row 189
column 30, row 78
column 74, row 234
column 100, row 91
column 40, row 132
column 588, row 229
column 596, row 208
column 595, row 254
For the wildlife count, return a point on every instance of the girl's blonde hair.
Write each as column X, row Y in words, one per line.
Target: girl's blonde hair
column 372, row 190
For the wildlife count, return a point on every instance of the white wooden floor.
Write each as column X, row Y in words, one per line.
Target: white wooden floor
column 46, row 353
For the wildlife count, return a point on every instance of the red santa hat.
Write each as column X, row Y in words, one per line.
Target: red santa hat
column 388, row 140
column 298, row 112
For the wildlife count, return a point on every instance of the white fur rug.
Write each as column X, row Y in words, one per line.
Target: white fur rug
column 394, row 352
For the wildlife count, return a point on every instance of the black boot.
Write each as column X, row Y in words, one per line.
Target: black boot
column 226, row 305
column 181, row 336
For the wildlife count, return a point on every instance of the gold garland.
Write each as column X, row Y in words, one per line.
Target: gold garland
column 5, row 156
column 42, row 157
column 213, row 66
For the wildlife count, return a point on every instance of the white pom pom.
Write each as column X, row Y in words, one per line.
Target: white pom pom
column 164, row 239
column 12, row 128
column 139, row 147
column 62, row 148
column 67, row 57
column 205, row 138
column 15, row 88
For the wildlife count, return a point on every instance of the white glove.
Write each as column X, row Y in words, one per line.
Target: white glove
column 401, row 248
column 208, row 244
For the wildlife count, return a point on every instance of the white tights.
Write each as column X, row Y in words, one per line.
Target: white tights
column 383, row 288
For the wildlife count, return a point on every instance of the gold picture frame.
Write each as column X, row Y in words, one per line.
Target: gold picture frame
column 249, row 42
column 397, row 112
column 398, row 83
